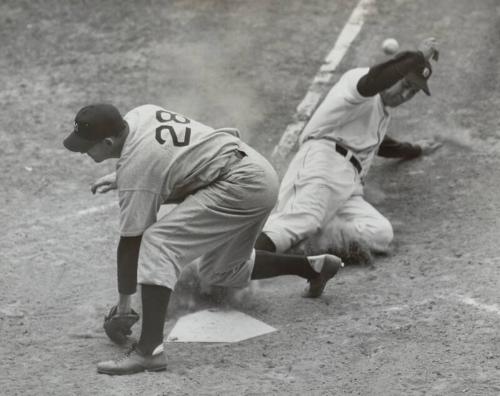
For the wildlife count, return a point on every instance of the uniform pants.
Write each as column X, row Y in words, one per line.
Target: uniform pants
column 321, row 200
column 218, row 224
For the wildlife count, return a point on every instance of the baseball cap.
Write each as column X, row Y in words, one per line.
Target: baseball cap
column 92, row 124
column 420, row 76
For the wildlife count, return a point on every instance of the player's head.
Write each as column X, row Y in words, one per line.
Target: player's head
column 98, row 132
column 406, row 88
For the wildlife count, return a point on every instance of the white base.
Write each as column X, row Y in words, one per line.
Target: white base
column 215, row 325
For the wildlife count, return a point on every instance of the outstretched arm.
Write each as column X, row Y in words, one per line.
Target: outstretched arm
column 384, row 75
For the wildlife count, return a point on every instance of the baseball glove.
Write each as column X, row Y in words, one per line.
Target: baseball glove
column 118, row 326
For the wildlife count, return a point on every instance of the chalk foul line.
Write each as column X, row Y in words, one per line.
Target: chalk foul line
column 322, row 79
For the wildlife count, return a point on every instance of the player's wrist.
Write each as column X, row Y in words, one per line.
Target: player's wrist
column 124, row 305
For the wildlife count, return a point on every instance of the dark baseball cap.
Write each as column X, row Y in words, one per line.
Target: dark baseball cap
column 92, row 124
column 420, row 76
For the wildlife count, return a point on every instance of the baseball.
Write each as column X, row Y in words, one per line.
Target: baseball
column 390, row 46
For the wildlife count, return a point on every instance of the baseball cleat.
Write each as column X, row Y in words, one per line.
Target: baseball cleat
column 134, row 362
column 327, row 265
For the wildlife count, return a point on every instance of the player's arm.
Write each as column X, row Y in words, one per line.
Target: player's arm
column 138, row 210
column 384, row 75
column 104, row 184
column 127, row 258
column 391, row 148
column 121, row 317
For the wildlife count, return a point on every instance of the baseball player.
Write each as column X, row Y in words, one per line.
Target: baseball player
column 321, row 205
column 225, row 191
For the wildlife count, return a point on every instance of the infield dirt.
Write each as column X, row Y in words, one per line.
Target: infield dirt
column 423, row 320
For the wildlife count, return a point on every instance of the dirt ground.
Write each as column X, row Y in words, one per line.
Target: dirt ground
column 423, row 320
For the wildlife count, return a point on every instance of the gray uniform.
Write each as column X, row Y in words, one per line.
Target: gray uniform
column 225, row 188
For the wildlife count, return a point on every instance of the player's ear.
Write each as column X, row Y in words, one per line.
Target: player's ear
column 108, row 142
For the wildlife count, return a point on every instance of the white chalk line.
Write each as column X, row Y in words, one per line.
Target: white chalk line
column 491, row 308
column 87, row 211
column 323, row 77
column 466, row 300
column 49, row 221
column 94, row 209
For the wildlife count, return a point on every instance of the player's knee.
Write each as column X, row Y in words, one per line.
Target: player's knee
column 313, row 222
column 155, row 240
column 384, row 235
column 148, row 235
column 377, row 234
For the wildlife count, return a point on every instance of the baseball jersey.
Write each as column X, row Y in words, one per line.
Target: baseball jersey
column 166, row 156
column 358, row 123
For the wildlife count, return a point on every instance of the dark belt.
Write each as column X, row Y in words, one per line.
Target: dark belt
column 353, row 160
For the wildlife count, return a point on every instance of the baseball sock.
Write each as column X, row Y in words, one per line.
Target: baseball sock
column 154, row 309
column 269, row 265
column 265, row 243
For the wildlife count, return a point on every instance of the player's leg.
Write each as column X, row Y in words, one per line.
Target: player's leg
column 213, row 268
column 265, row 243
column 224, row 266
column 147, row 354
column 285, row 197
column 355, row 231
column 318, row 270
column 318, row 182
column 155, row 300
column 359, row 220
column 270, row 265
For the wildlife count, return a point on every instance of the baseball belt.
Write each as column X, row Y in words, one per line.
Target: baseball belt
column 353, row 160
column 343, row 151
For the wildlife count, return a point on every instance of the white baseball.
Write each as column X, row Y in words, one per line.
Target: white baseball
column 390, row 46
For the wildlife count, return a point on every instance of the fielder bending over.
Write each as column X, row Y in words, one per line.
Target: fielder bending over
column 225, row 191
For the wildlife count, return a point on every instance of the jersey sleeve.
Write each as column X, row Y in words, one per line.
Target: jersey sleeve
column 138, row 209
column 384, row 75
column 350, row 82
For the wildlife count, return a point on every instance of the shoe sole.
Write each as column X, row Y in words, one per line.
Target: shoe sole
column 327, row 273
column 152, row 370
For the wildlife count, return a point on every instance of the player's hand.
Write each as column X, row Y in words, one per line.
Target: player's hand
column 428, row 146
column 428, row 47
column 118, row 326
column 104, row 184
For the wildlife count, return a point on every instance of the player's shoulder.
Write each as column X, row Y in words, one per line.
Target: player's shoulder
column 347, row 89
column 141, row 114
column 354, row 75
column 143, row 109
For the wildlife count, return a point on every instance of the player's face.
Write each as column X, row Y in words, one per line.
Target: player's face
column 399, row 93
column 100, row 151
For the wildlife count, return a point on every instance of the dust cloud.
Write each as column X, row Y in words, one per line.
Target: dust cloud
column 213, row 93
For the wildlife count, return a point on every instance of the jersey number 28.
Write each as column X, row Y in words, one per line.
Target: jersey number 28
column 167, row 116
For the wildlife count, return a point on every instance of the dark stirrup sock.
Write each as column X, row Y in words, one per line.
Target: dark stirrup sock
column 154, row 309
column 269, row 265
column 265, row 243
